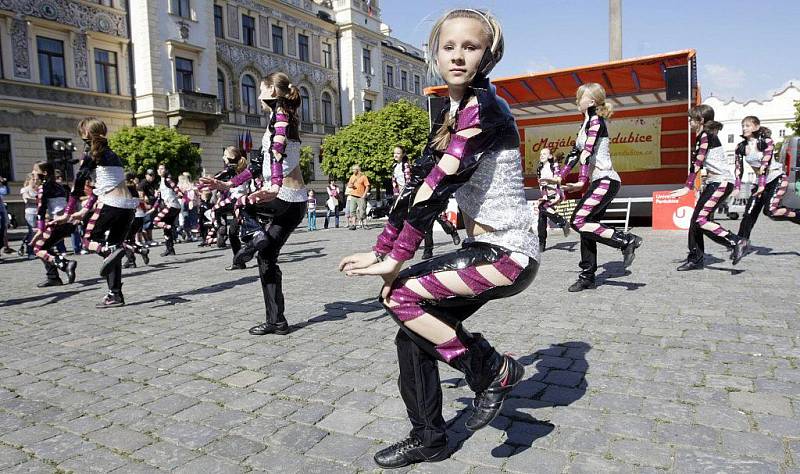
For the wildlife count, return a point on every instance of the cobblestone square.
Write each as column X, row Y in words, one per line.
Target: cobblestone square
column 654, row 371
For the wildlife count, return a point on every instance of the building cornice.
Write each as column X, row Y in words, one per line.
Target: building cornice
column 80, row 15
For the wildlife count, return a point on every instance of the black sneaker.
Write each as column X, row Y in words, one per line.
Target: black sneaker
column 129, row 264
column 169, row 251
column 488, row 403
column 410, row 451
column 739, row 250
column 426, row 256
column 628, row 252
column 145, row 253
column 235, row 266
column 581, row 285
column 111, row 300
column 456, row 238
column 46, row 283
column 111, row 259
column 270, row 328
column 689, row 265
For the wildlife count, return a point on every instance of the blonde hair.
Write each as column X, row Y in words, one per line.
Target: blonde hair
column 288, row 99
column 238, row 155
column 598, row 94
column 494, row 35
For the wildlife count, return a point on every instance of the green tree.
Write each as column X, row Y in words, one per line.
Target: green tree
column 147, row 147
column 795, row 124
column 371, row 138
column 307, row 163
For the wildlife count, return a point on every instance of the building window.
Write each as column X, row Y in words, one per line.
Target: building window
column 389, row 76
column 327, row 56
column 184, row 74
column 730, row 138
column 277, row 39
column 219, row 25
column 51, row 62
column 781, row 133
column 302, row 43
column 105, row 3
column 105, row 68
column 6, row 170
column 248, row 30
column 404, row 80
column 305, row 106
column 221, row 89
column 367, row 105
column 366, row 60
column 58, row 157
column 248, row 94
column 327, row 109
column 181, row 8
column 417, row 85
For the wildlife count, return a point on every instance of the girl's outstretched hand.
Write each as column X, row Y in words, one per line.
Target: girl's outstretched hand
column 680, row 192
column 388, row 269
column 357, row 261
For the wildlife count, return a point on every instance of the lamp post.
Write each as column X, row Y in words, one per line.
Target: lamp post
column 66, row 148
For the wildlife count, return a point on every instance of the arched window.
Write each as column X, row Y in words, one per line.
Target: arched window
column 248, row 94
column 221, row 89
column 305, row 107
column 327, row 109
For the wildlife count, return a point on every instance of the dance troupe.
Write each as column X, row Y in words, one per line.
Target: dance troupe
column 474, row 156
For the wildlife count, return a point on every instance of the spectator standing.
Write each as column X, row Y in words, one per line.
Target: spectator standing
column 358, row 185
column 333, row 202
column 29, row 191
column 312, row 210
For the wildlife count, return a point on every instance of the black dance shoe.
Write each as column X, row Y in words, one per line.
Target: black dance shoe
column 70, row 271
column 235, row 266
column 111, row 300
column 488, row 403
column 427, row 255
column 581, row 285
column 46, row 283
column 689, row 265
column 628, row 251
column 410, row 451
column 739, row 250
column 145, row 253
column 170, row 250
column 456, row 238
column 270, row 328
column 129, row 264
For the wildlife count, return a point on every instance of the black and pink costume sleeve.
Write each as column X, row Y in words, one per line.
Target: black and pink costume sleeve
column 698, row 158
column 277, row 127
column 595, row 126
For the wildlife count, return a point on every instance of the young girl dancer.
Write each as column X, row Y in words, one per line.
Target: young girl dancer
column 111, row 203
column 271, row 214
column 708, row 154
column 401, row 172
column 757, row 149
column 474, row 154
column 132, row 247
column 169, row 198
column 551, row 195
column 593, row 152
column 51, row 201
column 235, row 162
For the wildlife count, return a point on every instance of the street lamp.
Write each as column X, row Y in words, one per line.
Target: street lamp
column 66, row 148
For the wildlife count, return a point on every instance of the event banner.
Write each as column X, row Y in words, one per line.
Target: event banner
column 635, row 143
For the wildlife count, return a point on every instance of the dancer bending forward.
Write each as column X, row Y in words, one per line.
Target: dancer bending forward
column 474, row 154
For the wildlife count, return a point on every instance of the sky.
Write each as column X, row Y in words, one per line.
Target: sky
column 745, row 49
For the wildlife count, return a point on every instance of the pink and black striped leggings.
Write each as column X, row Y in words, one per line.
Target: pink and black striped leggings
column 702, row 224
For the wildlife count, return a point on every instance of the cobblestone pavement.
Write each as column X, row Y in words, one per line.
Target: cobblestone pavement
column 653, row 371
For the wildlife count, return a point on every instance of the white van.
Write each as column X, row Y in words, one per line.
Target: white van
column 789, row 156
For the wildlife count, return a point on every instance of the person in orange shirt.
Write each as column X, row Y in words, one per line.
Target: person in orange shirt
column 358, row 189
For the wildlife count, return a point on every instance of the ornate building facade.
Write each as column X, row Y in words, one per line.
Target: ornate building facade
column 194, row 65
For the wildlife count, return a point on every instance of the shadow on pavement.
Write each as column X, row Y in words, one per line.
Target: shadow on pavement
column 180, row 297
column 301, row 254
column 560, row 380
column 767, row 252
column 339, row 310
column 613, row 270
column 564, row 246
column 48, row 298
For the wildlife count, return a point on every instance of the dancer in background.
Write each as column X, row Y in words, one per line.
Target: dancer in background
column 709, row 154
column 270, row 214
column 132, row 247
column 235, row 162
column 111, row 204
column 51, row 202
column 593, row 153
column 474, row 154
column 551, row 195
column 757, row 149
column 169, row 203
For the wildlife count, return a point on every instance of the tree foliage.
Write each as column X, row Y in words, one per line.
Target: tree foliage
column 795, row 124
column 147, row 147
column 307, row 163
column 371, row 138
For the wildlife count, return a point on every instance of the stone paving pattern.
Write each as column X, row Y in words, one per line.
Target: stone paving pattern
column 655, row 371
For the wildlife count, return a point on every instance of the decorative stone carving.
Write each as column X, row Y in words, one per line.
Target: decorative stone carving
column 183, row 30
column 62, row 95
column 19, row 46
column 291, row 41
column 315, row 46
column 233, row 21
column 81, row 53
column 81, row 15
column 263, row 29
column 259, row 7
column 29, row 122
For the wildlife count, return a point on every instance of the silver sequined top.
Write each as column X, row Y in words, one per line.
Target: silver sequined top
column 600, row 161
column 495, row 196
column 107, row 178
column 753, row 158
column 718, row 167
